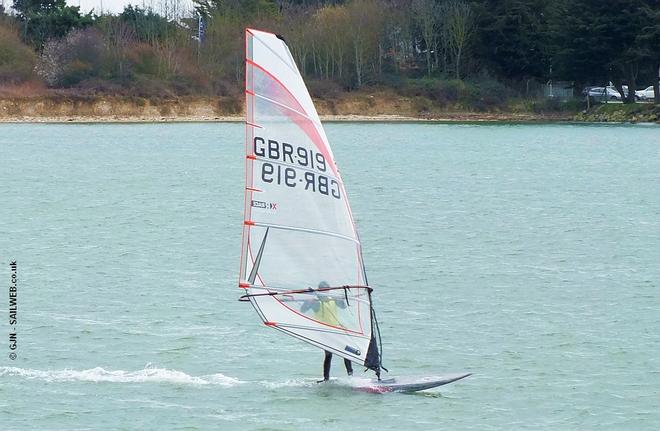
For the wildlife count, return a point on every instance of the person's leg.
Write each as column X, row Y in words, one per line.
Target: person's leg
column 349, row 367
column 326, row 365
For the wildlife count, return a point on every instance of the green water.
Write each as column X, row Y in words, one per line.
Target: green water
column 528, row 255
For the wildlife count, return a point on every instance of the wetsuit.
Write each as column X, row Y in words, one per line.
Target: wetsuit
column 326, row 366
column 326, row 311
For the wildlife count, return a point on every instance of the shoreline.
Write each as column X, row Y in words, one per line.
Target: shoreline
column 64, row 109
column 378, row 107
column 455, row 117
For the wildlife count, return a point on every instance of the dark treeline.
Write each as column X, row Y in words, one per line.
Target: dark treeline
column 444, row 50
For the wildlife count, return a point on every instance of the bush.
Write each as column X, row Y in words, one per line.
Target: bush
column 441, row 91
column 143, row 60
column 449, row 91
column 324, row 89
column 79, row 56
column 17, row 60
column 556, row 105
column 485, row 93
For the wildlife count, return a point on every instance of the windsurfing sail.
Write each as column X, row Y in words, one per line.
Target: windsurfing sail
column 301, row 259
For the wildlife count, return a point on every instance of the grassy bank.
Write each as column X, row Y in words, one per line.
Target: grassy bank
column 617, row 112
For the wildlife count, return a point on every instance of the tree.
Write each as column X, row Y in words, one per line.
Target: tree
column 70, row 60
column 458, row 21
column 147, row 25
column 648, row 40
column 511, row 37
column 17, row 60
column 366, row 18
column 424, row 15
column 119, row 36
column 45, row 19
column 606, row 41
column 244, row 10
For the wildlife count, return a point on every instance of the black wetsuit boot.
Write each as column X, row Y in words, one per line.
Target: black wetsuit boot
column 349, row 367
column 326, row 366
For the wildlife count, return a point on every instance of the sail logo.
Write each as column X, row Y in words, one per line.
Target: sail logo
column 264, row 205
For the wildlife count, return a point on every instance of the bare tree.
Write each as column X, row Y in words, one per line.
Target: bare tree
column 365, row 26
column 119, row 36
column 424, row 14
column 458, row 20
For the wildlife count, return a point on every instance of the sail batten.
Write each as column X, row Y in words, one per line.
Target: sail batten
column 299, row 237
column 311, row 231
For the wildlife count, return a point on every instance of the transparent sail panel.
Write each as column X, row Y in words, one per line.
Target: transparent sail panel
column 301, row 263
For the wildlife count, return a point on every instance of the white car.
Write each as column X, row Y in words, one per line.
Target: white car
column 645, row 94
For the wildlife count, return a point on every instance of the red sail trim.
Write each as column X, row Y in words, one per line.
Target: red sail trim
column 302, row 121
column 250, row 30
column 318, row 321
column 245, row 195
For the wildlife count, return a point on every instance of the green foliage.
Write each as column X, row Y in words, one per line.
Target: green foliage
column 17, row 60
column 485, row 93
column 555, row 105
column 147, row 25
column 143, row 60
column 607, row 41
column 513, row 37
column 42, row 20
column 27, row 8
column 238, row 10
column 481, row 93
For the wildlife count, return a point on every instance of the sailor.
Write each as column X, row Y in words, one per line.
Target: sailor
column 326, row 311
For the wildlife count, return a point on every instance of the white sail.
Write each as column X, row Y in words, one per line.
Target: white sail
column 301, row 262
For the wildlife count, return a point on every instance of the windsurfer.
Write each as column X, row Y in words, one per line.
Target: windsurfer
column 325, row 310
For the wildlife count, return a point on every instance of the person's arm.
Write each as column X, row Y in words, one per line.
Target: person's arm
column 310, row 303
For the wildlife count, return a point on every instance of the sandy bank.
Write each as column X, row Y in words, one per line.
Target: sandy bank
column 108, row 109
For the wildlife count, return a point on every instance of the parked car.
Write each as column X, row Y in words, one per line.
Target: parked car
column 610, row 92
column 645, row 94
column 604, row 93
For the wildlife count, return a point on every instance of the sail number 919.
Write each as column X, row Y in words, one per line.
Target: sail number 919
column 290, row 177
column 288, row 153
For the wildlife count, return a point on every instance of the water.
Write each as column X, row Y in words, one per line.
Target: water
column 526, row 254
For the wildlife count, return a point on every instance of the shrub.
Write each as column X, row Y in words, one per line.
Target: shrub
column 324, row 89
column 17, row 60
column 485, row 93
column 448, row 91
column 556, row 105
column 143, row 60
column 77, row 57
